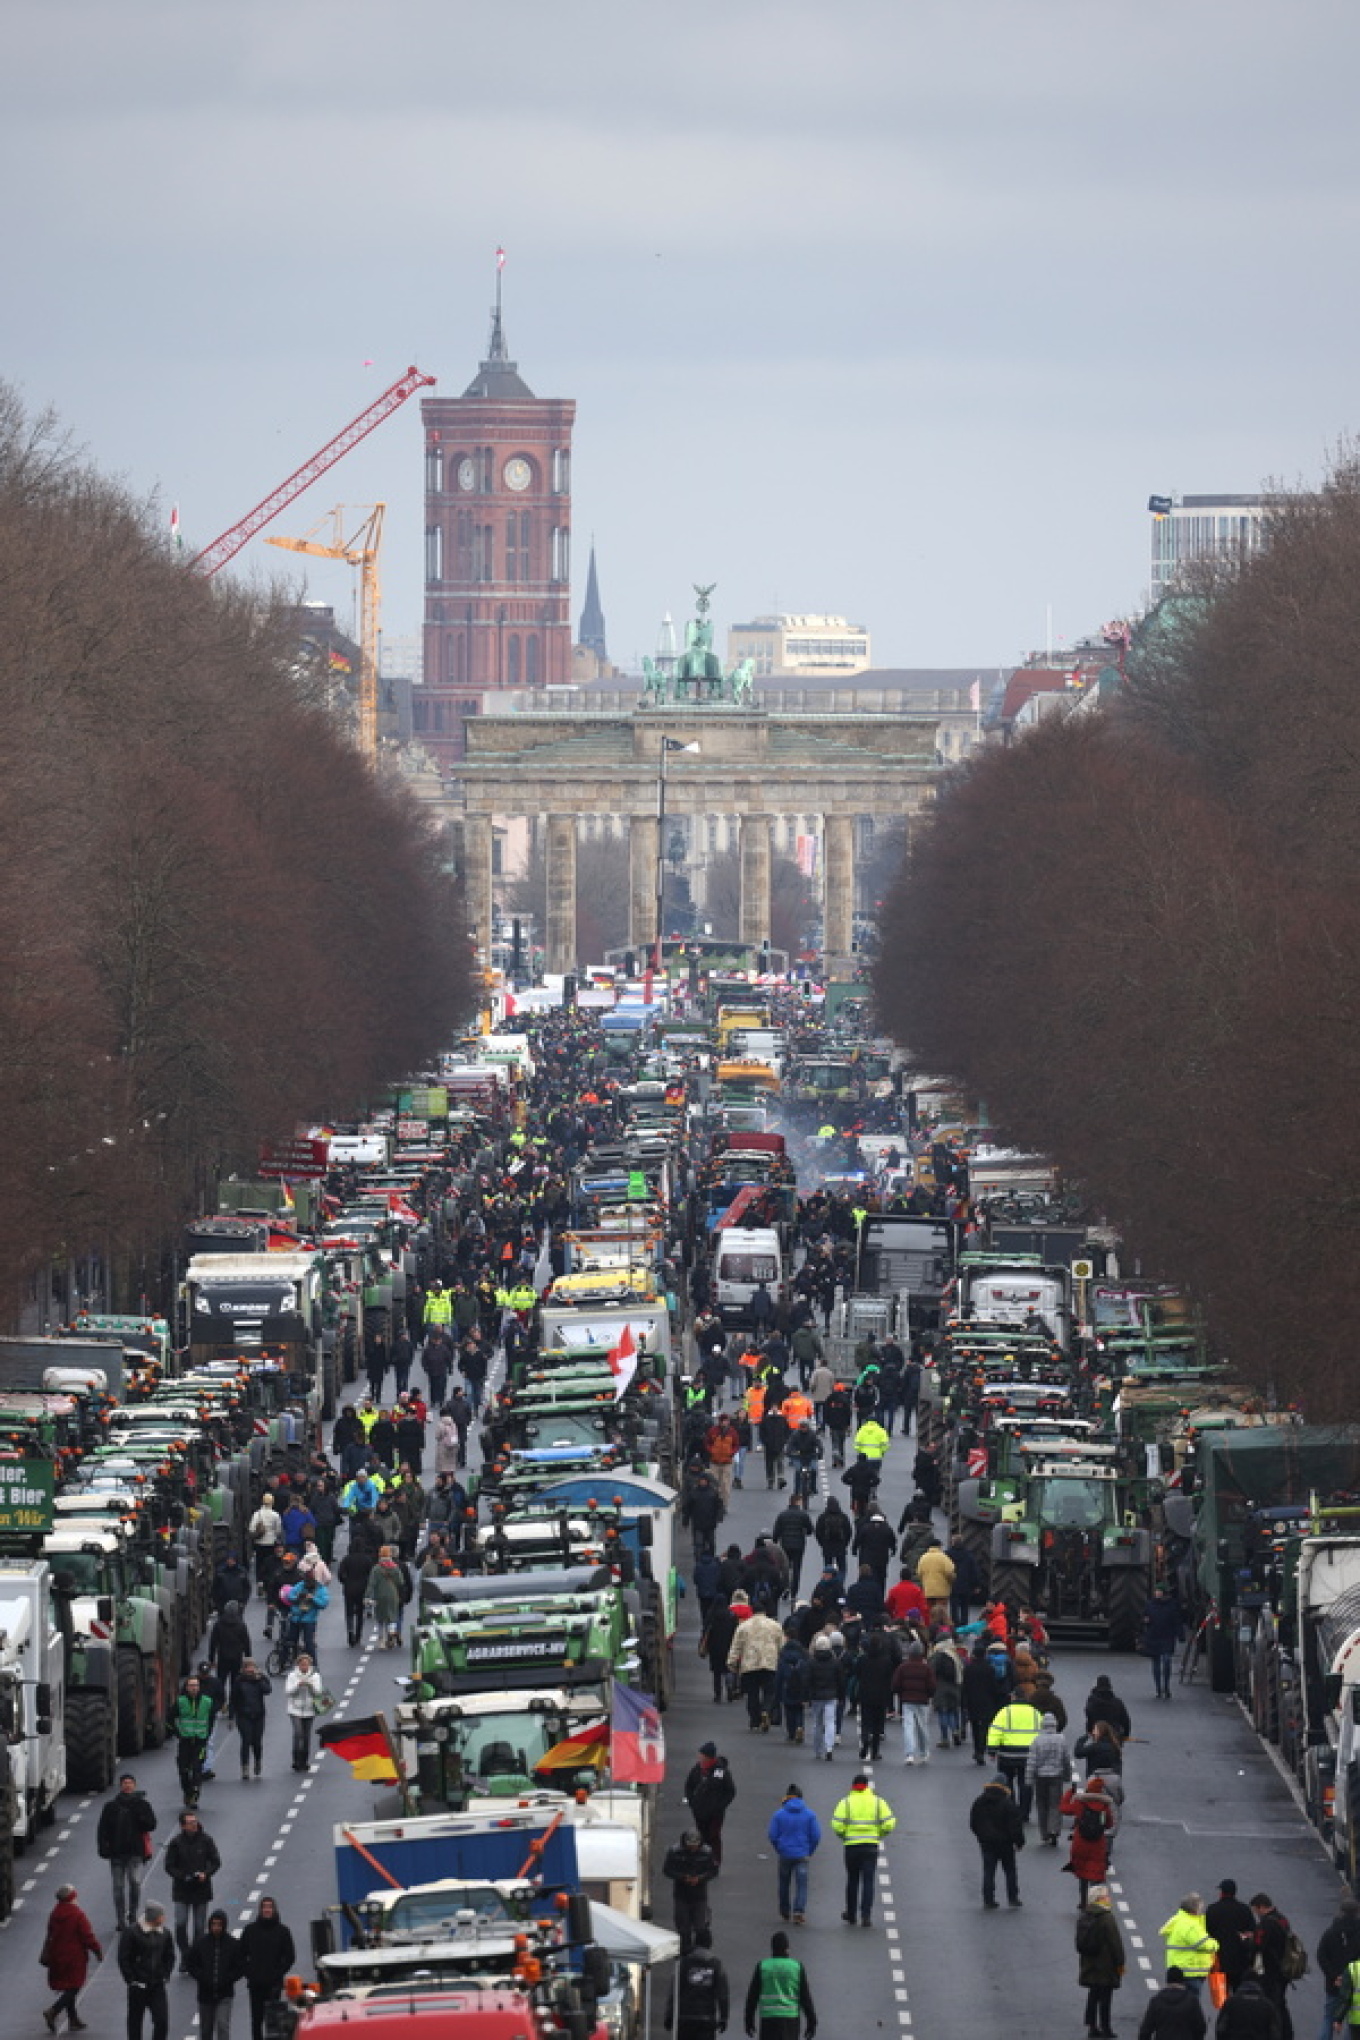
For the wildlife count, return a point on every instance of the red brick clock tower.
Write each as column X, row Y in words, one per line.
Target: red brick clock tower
column 497, row 541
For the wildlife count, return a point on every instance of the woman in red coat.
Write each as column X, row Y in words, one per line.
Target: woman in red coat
column 1092, row 1814
column 66, row 1953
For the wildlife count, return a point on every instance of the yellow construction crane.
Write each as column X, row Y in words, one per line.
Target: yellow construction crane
column 360, row 550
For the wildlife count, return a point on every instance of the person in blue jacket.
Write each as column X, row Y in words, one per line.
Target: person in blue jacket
column 795, row 1832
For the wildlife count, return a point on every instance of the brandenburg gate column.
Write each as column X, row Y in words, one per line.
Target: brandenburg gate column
column 477, row 879
column 643, row 848
column 755, row 879
column 838, row 911
column 560, row 943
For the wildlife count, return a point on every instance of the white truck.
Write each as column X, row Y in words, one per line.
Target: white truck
column 32, row 1731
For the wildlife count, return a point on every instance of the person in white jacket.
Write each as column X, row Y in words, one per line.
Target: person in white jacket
column 304, row 1690
column 265, row 1530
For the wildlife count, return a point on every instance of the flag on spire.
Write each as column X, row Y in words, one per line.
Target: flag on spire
column 176, row 535
column 500, row 258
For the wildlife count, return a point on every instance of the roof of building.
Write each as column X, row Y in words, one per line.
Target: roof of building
column 498, row 375
column 1028, row 681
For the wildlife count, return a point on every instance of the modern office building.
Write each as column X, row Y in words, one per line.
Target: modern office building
column 799, row 644
column 1188, row 528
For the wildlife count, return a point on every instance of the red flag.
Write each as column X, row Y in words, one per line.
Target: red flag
column 637, row 1742
column 623, row 1360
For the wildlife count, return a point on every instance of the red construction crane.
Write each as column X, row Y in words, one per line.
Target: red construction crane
column 229, row 544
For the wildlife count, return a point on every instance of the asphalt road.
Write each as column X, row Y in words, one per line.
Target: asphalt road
column 1204, row 1802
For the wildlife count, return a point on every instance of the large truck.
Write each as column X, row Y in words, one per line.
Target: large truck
column 262, row 1306
column 32, row 1728
column 61, row 1363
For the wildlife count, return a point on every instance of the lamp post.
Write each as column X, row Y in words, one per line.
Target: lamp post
column 668, row 744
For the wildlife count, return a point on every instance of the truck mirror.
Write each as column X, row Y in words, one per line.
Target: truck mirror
column 1355, row 1705
column 596, row 1971
column 578, row 1919
column 644, row 1532
column 104, row 1608
column 42, row 1701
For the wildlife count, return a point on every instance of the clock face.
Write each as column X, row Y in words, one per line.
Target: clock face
column 467, row 474
column 518, row 473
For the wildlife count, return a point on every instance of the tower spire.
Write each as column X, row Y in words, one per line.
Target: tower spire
column 591, row 633
column 498, row 352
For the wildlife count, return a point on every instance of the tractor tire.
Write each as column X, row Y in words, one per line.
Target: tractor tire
column 1013, row 1584
column 1126, row 1597
column 131, row 1704
column 90, row 1754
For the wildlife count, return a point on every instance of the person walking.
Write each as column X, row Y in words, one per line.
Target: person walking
column 1100, row 1958
column 1189, row 1944
column 1175, row 2013
column 229, row 1647
column 863, row 1821
column 123, row 1839
column 791, row 1530
column 387, row 1592
column 700, row 2000
column 710, row 1789
column 826, row 1694
column 1104, row 1704
column 1337, row 1950
column 146, row 1962
column 216, row 1965
column 191, row 1863
column 304, row 1690
column 265, row 1531
column 754, row 1657
column 691, row 1869
column 873, row 1679
column 1163, row 1629
column 779, row 1997
column 267, row 1956
column 1091, row 1812
column 795, row 1833
column 982, row 1696
column 1013, row 1728
column 253, row 1689
column 1273, row 1934
column 914, row 1686
column 69, row 1943
column 1233, row 1925
column 191, row 1724
column 999, row 1832
column 1048, row 1770
column 1248, row 2013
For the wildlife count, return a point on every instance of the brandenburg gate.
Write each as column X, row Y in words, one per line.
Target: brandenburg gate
column 696, row 745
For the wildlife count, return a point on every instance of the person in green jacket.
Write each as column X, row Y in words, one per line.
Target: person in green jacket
column 778, row 1995
column 192, row 1724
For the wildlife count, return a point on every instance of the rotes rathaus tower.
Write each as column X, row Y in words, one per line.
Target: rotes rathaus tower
column 497, row 538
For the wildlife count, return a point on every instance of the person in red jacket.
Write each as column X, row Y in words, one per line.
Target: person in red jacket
column 905, row 1600
column 66, row 1952
column 1092, row 1813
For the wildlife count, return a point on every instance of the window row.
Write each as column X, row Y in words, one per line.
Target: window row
column 474, row 472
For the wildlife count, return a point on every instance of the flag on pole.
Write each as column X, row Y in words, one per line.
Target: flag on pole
column 500, row 258
column 623, row 1361
column 176, row 535
column 584, row 1746
column 365, row 1746
column 975, row 697
column 638, row 1742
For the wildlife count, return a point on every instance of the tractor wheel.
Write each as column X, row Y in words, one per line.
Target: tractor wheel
column 1013, row 1584
column 1126, row 1595
column 90, row 1754
column 131, row 1704
column 977, row 1538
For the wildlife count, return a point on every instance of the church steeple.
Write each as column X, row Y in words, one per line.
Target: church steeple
column 591, row 633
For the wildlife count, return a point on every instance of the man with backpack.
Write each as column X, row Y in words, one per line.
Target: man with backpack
column 1282, row 1956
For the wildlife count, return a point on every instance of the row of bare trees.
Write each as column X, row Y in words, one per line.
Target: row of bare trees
column 214, row 919
column 1137, row 937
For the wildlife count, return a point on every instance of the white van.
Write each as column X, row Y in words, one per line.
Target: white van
column 744, row 1257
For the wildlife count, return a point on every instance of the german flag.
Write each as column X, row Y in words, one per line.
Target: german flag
column 365, row 1746
column 574, row 1752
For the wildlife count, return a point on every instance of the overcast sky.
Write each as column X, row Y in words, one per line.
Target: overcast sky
column 887, row 308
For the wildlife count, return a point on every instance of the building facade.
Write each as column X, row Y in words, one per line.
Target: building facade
column 497, row 544
column 1201, row 527
column 799, row 644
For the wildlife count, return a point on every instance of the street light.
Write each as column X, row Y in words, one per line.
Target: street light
column 668, row 744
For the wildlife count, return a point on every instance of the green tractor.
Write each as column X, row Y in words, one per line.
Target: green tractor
column 124, row 1671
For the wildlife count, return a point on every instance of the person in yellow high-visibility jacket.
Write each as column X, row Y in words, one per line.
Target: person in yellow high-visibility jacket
column 871, row 1440
column 1189, row 1944
column 1013, row 1729
column 862, row 1820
